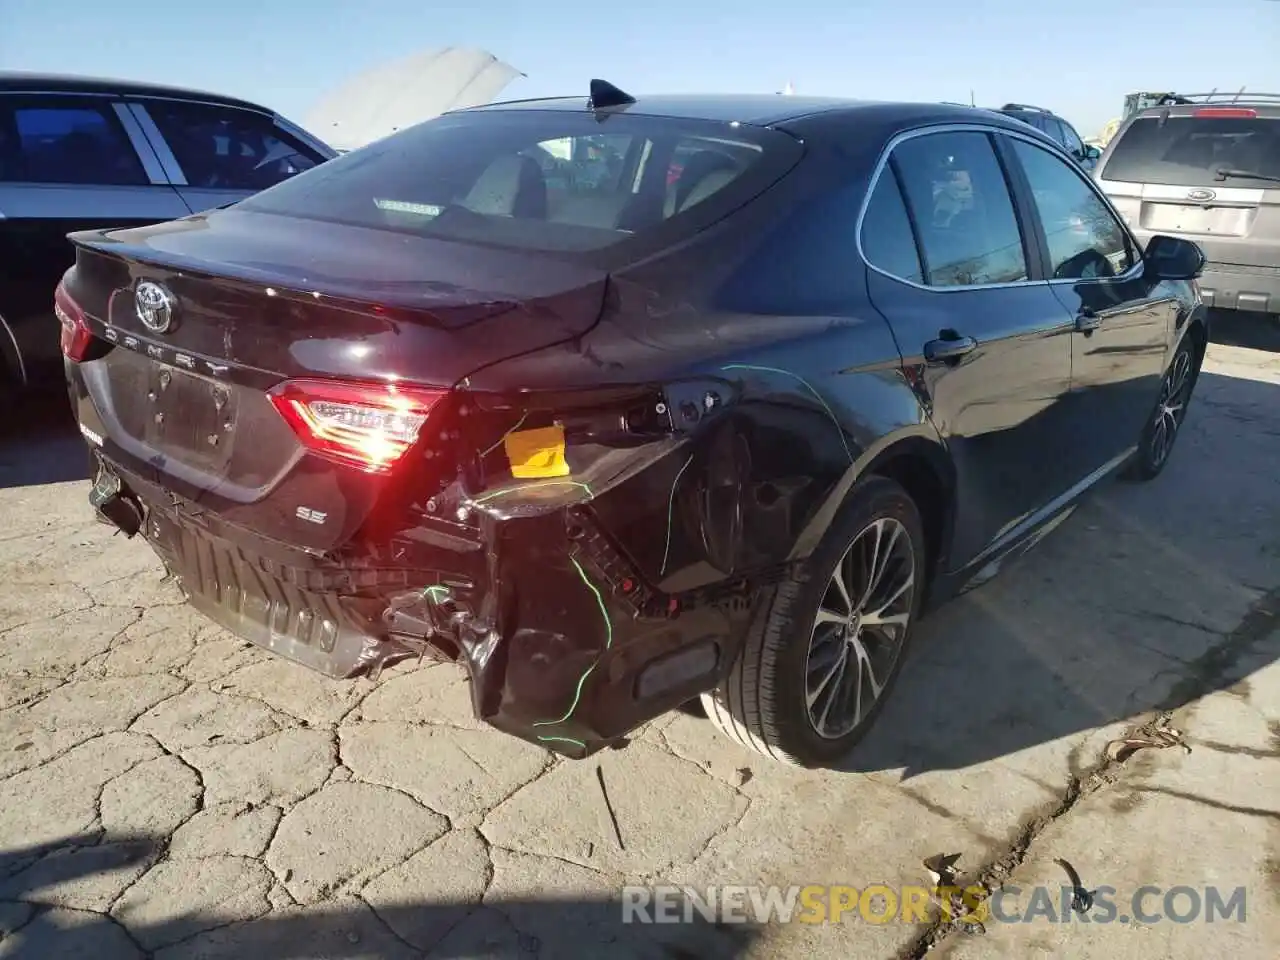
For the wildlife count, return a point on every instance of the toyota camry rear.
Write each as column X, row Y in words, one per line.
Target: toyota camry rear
column 299, row 401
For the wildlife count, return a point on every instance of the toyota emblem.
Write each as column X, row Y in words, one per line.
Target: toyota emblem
column 154, row 305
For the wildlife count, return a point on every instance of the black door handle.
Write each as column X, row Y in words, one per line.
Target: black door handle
column 936, row 351
column 1087, row 321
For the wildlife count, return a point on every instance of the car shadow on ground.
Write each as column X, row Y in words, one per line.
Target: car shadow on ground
column 339, row 929
column 39, row 442
column 1149, row 597
column 1235, row 328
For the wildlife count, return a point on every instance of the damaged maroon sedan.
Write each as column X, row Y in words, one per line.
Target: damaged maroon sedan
column 620, row 403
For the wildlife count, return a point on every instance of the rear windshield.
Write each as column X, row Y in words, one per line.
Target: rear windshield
column 553, row 181
column 1189, row 151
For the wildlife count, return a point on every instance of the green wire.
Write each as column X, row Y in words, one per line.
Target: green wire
column 507, row 434
column 808, row 386
column 562, row 740
column 531, row 486
column 608, row 626
column 671, row 506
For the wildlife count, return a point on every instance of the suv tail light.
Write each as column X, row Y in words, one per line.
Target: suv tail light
column 1245, row 113
column 77, row 338
column 366, row 425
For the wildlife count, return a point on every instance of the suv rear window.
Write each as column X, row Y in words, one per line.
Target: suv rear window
column 1188, row 151
column 554, row 181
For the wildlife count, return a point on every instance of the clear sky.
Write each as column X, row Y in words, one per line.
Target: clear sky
column 1077, row 58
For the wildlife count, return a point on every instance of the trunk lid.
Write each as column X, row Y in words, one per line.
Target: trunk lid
column 284, row 295
column 259, row 299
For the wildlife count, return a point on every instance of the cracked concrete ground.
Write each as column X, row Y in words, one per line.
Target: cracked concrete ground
column 168, row 791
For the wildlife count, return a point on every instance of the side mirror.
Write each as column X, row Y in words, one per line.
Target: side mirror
column 1091, row 152
column 1173, row 258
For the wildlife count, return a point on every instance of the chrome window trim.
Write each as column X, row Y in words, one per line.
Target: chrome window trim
column 161, row 146
column 878, row 171
column 990, row 129
column 141, row 145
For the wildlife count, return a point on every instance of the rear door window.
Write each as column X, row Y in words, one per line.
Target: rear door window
column 228, row 148
column 65, row 140
column 959, row 200
column 547, row 180
column 1189, row 151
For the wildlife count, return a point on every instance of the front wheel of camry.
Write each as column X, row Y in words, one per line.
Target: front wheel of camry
column 1165, row 422
column 825, row 647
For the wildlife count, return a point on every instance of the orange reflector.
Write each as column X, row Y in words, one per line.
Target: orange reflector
column 537, row 453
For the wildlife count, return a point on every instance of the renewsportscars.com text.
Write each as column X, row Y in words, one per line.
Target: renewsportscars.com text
column 882, row 904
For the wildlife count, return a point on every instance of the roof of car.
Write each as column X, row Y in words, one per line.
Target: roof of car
column 755, row 109
column 22, row 82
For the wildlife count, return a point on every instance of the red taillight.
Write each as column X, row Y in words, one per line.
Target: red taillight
column 1238, row 112
column 366, row 425
column 76, row 335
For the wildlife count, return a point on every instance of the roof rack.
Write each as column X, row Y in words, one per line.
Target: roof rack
column 1217, row 96
column 1024, row 106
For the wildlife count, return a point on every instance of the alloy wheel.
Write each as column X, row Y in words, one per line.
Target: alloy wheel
column 1170, row 408
column 860, row 627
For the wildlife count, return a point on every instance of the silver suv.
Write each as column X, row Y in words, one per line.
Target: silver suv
column 1206, row 167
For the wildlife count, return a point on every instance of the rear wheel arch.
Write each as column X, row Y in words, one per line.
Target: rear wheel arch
column 761, row 701
column 750, row 704
column 924, row 470
column 12, row 372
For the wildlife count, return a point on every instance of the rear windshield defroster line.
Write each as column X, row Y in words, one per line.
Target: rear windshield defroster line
column 560, row 182
column 1189, row 151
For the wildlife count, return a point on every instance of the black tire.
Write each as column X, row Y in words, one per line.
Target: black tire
column 762, row 703
column 1160, row 433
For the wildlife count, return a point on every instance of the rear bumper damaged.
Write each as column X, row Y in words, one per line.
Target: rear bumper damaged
column 566, row 643
column 581, row 604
